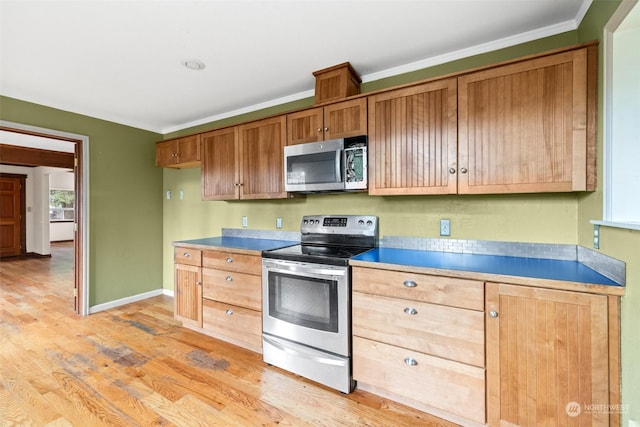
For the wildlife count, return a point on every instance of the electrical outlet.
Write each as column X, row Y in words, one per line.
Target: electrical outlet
column 596, row 236
column 445, row 227
column 245, row 221
column 168, row 194
column 278, row 222
column 181, row 192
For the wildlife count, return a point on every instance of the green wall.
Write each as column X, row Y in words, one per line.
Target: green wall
column 125, row 199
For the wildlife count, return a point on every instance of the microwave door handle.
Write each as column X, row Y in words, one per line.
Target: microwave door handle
column 339, row 162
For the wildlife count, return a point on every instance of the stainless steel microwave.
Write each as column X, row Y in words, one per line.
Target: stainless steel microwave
column 326, row 166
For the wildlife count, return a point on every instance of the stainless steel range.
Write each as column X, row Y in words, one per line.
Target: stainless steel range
column 306, row 298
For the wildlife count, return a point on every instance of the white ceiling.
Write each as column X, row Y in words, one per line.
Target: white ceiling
column 122, row 60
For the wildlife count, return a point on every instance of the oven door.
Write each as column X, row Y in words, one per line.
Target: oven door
column 307, row 303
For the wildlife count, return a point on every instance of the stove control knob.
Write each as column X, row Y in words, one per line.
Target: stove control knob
column 360, row 222
column 317, row 221
column 369, row 223
column 305, row 221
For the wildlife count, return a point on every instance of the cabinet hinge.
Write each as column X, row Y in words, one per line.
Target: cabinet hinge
column 75, row 162
column 75, row 292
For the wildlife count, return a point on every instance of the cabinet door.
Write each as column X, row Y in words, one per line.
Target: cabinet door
column 219, row 173
column 413, row 140
column 345, row 119
column 188, row 295
column 305, row 126
column 262, row 159
column 166, row 153
column 189, row 150
column 547, row 356
column 524, row 126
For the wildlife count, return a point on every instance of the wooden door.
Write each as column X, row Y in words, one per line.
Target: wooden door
column 166, row 153
column 12, row 221
column 547, row 357
column 188, row 294
column 262, row 159
column 524, row 127
column 345, row 119
column 220, row 165
column 189, row 149
column 305, row 126
column 413, row 140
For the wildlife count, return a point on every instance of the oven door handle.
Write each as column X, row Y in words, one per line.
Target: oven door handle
column 300, row 269
column 303, row 354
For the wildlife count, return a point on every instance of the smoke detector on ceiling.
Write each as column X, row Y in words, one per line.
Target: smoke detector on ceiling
column 194, row 64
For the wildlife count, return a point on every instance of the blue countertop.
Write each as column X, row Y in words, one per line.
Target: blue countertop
column 238, row 243
column 570, row 271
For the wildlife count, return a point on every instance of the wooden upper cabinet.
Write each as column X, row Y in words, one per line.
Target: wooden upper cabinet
column 339, row 120
column 412, row 140
column 261, row 154
column 547, row 356
column 220, row 165
column 529, row 126
column 179, row 153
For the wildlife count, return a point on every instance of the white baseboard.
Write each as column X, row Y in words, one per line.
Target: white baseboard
column 127, row 300
column 168, row 292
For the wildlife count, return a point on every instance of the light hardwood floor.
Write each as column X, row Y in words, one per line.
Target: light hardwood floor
column 136, row 366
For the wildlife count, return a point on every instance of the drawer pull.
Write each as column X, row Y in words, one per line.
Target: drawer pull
column 410, row 283
column 493, row 313
column 229, row 279
column 410, row 361
column 410, row 310
column 229, row 312
column 229, row 259
column 186, row 254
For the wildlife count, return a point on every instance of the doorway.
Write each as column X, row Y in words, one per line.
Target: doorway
column 81, row 181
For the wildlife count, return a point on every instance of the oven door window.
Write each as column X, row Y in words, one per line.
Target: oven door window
column 304, row 301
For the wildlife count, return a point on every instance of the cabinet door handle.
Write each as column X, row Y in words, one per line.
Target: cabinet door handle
column 410, row 283
column 493, row 313
column 410, row 361
column 229, row 312
column 229, row 279
column 410, row 310
column 326, row 129
column 229, row 259
column 199, row 283
column 319, row 129
column 463, row 170
column 186, row 254
column 452, row 170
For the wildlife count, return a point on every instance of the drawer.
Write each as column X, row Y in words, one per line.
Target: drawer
column 231, row 287
column 450, row 291
column 187, row 256
column 225, row 260
column 448, row 332
column 237, row 324
column 443, row 384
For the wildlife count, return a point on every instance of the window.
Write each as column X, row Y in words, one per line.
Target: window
column 62, row 205
column 621, row 124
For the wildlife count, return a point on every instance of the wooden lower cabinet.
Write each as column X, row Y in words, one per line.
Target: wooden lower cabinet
column 237, row 325
column 421, row 379
column 188, row 286
column 232, row 297
column 547, row 357
column 219, row 293
column 416, row 339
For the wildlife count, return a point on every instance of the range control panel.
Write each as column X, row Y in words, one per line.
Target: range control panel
column 358, row 225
